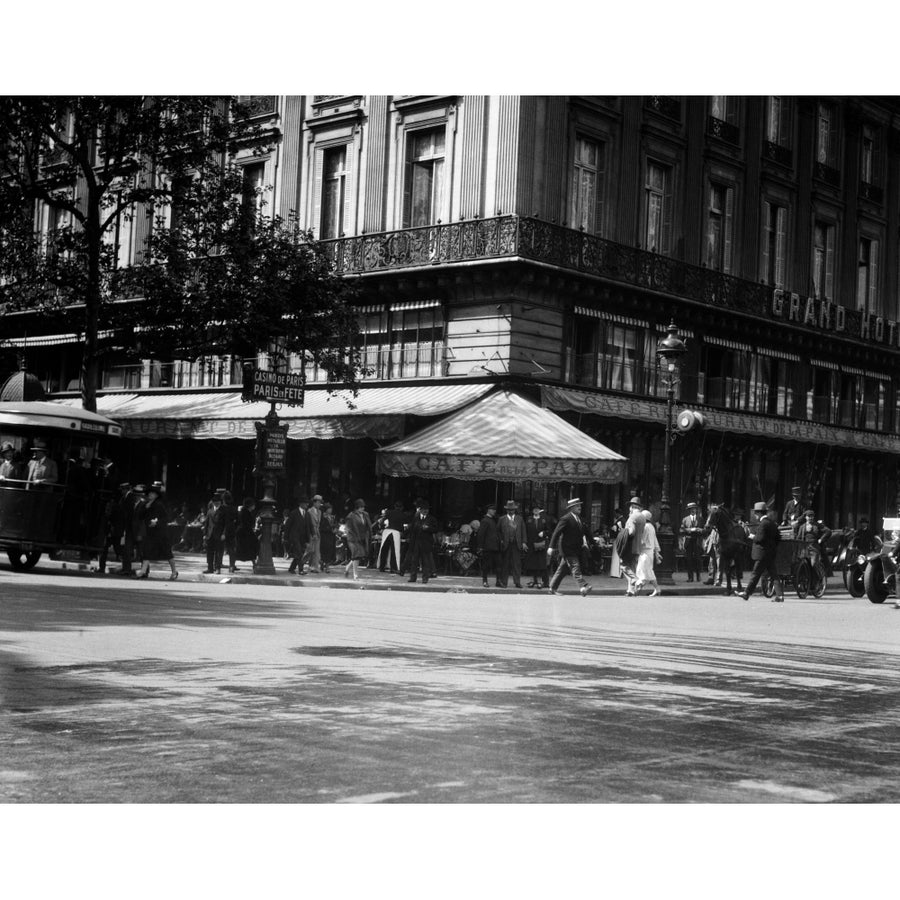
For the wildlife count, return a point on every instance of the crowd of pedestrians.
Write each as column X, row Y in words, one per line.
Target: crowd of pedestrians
column 502, row 545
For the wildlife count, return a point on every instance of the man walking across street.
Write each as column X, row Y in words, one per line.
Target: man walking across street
column 512, row 545
column 313, row 556
column 488, row 545
column 691, row 530
column 569, row 534
column 765, row 546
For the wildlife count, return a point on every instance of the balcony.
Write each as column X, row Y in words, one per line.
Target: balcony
column 254, row 105
column 828, row 174
column 784, row 156
column 665, row 106
column 722, row 130
column 872, row 192
column 519, row 237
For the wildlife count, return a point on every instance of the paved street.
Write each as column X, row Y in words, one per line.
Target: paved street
column 157, row 691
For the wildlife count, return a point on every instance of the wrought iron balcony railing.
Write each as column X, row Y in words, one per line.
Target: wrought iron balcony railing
column 828, row 174
column 784, row 156
column 869, row 191
column 666, row 106
column 529, row 238
column 724, row 131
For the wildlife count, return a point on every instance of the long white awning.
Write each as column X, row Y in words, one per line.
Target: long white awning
column 376, row 412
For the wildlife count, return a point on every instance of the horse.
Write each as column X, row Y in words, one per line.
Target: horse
column 732, row 543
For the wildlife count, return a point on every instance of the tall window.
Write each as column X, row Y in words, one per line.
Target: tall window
column 588, row 186
column 334, row 186
column 867, row 155
column 424, row 185
column 720, row 216
column 253, row 176
column 778, row 121
column 826, row 135
column 774, row 244
column 658, row 208
column 724, row 108
column 823, row 260
column 867, row 276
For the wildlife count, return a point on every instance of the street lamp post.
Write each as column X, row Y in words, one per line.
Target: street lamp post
column 669, row 350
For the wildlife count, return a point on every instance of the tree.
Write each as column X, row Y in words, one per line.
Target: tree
column 214, row 273
column 224, row 277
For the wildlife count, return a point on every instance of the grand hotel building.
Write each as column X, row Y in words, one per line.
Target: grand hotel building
column 544, row 244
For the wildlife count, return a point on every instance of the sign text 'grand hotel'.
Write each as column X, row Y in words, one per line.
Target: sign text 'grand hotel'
column 829, row 316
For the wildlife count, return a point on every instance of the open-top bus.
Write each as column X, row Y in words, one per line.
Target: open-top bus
column 65, row 516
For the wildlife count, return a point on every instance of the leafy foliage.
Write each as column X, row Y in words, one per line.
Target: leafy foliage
column 217, row 275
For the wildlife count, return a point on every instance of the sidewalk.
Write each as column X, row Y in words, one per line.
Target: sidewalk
column 192, row 567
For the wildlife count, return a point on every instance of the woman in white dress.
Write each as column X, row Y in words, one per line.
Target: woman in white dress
column 648, row 557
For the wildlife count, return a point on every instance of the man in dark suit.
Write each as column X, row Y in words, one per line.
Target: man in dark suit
column 422, row 530
column 765, row 546
column 793, row 510
column 692, row 530
column 570, row 535
column 488, row 545
column 512, row 545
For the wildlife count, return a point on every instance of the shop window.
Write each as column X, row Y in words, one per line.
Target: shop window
column 586, row 209
column 774, row 244
column 867, row 276
column 658, row 208
column 424, row 177
column 820, row 398
column 823, row 260
column 619, row 361
column 719, row 228
column 726, row 377
column 404, row 342
column 584, row 344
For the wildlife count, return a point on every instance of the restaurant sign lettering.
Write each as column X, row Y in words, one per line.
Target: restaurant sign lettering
column 502, row 468
column 275, row 387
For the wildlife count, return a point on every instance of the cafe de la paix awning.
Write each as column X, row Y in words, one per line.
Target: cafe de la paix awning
column 503, row 437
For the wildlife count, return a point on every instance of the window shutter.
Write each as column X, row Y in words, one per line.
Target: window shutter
column 407, row 181
column 599, row 224
column 347, row 218
column 317, row 192
column 728, row 229
column 829, row 262
column 833, row 138
column 873, row 278
column 780, row 244
column 785, row 125
column 764, row 258
column 666, row 241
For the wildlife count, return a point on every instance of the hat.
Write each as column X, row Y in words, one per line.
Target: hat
column 125, row 484
column 219, row 491
column 537, row 508
column 423, row 504
column 738, row 513
column 648, row 516
column 692, row 505
column 39, row 444
column 760, row 507
column 316, row 497
column 575, row 501
column 511, row 504
column 796, row 489
column 635, row 501
column 157, row 486
column 140, row 489
column 809, row 512
column 490, row 506
column 6, row 446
